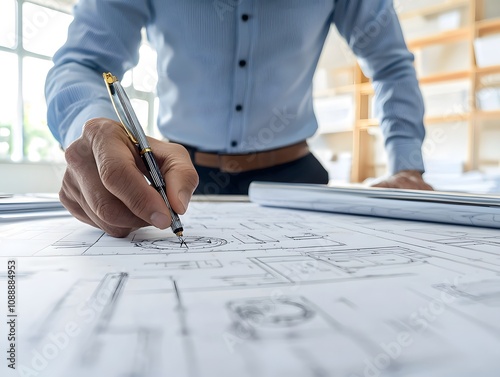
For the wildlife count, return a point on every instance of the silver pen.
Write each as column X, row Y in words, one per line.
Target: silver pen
column 134, row 130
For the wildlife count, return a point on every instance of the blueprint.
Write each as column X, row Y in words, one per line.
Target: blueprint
column 259, row 292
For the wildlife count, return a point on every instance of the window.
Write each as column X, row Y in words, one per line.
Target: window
column 140, row 84
column 8, row 24
column 31, row 31
column 8, row 99
column 30, row 34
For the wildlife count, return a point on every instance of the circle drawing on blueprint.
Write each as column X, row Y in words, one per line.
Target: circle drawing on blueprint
column 283, row 312
column 173, row 244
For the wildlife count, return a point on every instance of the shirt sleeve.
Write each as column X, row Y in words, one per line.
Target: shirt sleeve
column 372, row 30
column 103, row 37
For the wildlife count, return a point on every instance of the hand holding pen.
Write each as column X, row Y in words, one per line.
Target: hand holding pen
column 134, row 130
column 104, row 183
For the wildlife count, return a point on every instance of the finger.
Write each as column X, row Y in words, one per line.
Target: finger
column 76, row 202
column 100, row 205
column 382, row 184
column 412, row 182
column 179, row 173
column 404, row 182
column 72, row 205
column 118, row 172
column 412, row 179
column 420, row 185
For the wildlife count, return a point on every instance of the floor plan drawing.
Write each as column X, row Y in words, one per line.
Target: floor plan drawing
column 258, row 292
column 172, row 244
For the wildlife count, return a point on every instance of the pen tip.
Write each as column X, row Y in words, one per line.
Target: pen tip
column 180, row 236
column 183, row 242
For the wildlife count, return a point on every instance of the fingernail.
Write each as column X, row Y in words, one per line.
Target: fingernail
column 184, row 197
column 160, row 220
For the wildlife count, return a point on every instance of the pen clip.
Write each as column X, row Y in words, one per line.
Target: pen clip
column 110, row 80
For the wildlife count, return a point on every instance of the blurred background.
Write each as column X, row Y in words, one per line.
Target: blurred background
column 457, row 49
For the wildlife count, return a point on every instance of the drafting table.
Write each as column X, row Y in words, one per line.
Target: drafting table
column 260, row 292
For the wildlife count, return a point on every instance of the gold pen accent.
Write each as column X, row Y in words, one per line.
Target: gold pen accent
column 109, row 79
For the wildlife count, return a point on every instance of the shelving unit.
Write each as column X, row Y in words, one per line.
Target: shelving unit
column 443, row 36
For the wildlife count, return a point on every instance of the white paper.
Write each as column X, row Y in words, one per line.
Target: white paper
column 442, row 207
column 259, row 292
column 19, row 206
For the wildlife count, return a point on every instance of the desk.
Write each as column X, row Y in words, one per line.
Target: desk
column 259, row 292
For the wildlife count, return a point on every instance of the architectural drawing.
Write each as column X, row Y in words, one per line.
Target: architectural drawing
column 252, row 317
column 260, row 292
column 484, row 291
column 480, row 246
column 172, row 244
column 184, row 265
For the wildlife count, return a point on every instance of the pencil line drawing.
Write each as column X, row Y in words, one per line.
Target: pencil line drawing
column 352, row 261
column 305, row 237
column 484, row 291
column 185, row 265
column 252, row 317
column 258, row 238
column 260, row 292
column 172, row 244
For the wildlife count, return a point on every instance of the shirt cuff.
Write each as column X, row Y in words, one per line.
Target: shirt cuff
column 94, row 111
column 404, row 155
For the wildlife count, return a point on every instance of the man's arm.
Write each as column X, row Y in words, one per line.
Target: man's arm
column 103, row 37
column 372, row 30
column 103, row 185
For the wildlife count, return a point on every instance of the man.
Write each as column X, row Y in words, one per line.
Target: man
column 235, row 79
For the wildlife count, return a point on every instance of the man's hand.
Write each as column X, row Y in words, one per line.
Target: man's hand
column 405, row 179
column 104, row 183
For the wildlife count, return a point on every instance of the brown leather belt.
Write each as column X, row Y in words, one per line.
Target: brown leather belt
column 238, row 163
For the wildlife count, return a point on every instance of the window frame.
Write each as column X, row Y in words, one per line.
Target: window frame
column 16, row 153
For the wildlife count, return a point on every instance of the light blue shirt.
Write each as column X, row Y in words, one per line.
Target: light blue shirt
column 235, row 76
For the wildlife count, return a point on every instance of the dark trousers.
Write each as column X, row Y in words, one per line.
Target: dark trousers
column 215, row 182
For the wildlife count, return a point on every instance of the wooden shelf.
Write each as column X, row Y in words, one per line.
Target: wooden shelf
column 434, row 9
column 473, row 121
column 486, row 27
column 488, row 70
column 366, row 88
column 448, row 76
column 367, row 123
column 464, row 117
column 441, row 38
column 482, row 114
column 490, row 162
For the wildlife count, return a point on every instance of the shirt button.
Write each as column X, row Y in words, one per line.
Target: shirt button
column 239, row 107
column 244, row 17
column 234, row 143
column 242, row 63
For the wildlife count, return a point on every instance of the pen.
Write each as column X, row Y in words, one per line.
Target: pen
column 134, row 130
